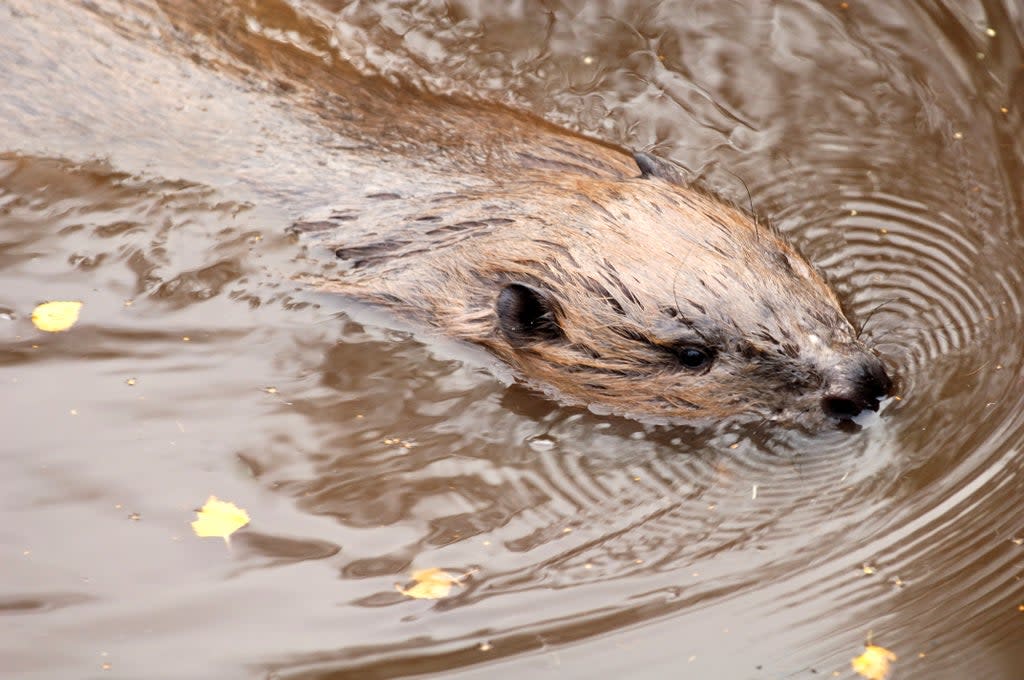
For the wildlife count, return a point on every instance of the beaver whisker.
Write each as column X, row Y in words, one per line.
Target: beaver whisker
column 675, row 295
column 750, row 201
column 864, row 325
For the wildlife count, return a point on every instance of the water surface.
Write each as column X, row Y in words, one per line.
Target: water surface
column 151, row 157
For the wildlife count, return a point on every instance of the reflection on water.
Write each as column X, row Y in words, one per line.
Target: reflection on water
column 154, row 154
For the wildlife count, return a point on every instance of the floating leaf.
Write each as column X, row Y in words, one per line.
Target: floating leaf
column 57, row 316
column 874, row 663
column 219, row 518
column 429, row 584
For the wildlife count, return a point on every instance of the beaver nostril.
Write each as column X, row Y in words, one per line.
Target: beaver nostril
column 875, row 383
column 858, row 393
column 844, row 409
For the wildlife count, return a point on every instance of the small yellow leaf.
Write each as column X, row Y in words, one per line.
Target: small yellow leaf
column 57, row 316
column 429, row 584
column 874, row 663
column 219, row 518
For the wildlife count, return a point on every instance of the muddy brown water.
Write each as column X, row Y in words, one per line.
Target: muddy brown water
column 152, row 155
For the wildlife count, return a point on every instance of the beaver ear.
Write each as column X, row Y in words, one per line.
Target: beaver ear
column 652, row 166
column 526, row 315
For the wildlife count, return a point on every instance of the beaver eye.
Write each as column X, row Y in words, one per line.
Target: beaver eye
column 694, row 357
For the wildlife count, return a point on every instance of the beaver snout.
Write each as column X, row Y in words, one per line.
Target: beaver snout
column 857, row 389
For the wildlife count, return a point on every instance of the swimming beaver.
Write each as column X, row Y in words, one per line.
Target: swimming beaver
column 612, row 286
column 595, row 274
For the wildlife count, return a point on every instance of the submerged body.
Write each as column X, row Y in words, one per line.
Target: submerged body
column 596, row 275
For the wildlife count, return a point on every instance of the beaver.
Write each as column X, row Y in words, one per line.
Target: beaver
column 620, row 288
column 597, row 275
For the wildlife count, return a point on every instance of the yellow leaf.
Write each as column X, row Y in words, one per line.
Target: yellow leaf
column 874, row 663
column 57, row 316
column 429, row 584
column 219, row 518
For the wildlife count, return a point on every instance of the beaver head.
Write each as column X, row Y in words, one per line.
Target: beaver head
column 631, row 294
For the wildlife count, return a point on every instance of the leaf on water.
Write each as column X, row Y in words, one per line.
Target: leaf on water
column 219, row 518
column 429, row 584
column 56, row 316
column 874, row 663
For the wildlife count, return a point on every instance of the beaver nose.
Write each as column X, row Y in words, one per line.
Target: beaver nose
column 857, row 389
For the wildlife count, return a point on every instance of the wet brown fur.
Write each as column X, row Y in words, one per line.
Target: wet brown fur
column 632, row 267
column 450, row 201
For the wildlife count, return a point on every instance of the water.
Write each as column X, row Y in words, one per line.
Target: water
column 152, row 155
